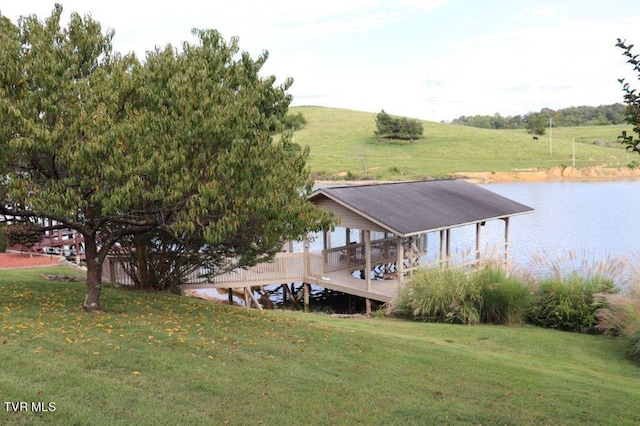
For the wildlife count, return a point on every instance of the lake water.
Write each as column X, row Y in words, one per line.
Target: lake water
column 601, row 218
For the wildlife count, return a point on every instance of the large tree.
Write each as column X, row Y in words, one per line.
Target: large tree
column 632, row 100
column 537, row 122
column 114, row 147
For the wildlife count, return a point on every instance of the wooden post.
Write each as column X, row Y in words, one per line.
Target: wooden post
column 230, row 295
column 347, row 240
column 442, row 248
column 253, row 299
column 305, row 245
column 478, row 225
column 246, row 297
column 367, row 303
column 400, row 260
column 367, row 254
column 326, row 240
column 506, row 240
column 305, row 290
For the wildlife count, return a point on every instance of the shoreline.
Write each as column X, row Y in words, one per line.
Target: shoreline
column 554, row 174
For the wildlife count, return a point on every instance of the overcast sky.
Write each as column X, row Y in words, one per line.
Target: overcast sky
column 429, row 59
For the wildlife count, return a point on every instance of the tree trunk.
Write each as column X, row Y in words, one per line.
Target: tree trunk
column 141, row 261
column 94, row 275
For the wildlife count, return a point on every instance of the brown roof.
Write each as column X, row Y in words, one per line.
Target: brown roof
column 409, row 208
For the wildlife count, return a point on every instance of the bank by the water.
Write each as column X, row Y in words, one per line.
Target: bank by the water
column 569, row 173
column 554, row 174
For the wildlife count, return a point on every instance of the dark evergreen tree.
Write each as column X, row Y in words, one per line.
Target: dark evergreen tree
column 402, row 128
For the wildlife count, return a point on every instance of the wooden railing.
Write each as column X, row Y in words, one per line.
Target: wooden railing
column 285, row 267
column 352, row 257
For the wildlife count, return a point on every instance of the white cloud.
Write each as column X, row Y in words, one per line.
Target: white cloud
column 422, row 58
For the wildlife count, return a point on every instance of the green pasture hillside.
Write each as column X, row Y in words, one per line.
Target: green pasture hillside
column 343, row 145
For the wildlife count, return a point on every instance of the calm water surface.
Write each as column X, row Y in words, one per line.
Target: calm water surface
column 601, row 218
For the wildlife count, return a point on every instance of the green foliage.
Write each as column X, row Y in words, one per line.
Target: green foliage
column 565, row 117
column 294, row 121
column 22, row 233
column 114, row 147
column 567, row 303
column 505, row 298
column 441, row 295
column 619, row 315
column 486, row 295
column 402, row 128
column 632, row 100
column 537, row 123
column 3, row 239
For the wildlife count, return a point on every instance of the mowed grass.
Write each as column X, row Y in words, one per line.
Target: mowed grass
column 343, row 144
column 166, row 359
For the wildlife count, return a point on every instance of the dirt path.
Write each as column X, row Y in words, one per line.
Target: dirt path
column 22, row 260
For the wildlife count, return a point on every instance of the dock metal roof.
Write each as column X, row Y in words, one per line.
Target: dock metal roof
column 410, row 208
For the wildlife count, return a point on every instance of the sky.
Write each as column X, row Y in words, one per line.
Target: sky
column 429, row 59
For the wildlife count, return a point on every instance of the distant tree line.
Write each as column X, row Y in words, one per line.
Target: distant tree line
column 566, row 117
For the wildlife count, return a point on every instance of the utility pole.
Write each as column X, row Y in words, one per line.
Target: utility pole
column 550, row 137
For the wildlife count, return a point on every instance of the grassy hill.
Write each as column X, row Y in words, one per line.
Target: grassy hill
column 343, row 145
column 156, row 358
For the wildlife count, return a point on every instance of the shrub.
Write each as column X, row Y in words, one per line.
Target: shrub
column 567, row 303
column 505, row 299
column 441, row 295
column 3, row 240
column 619, row 315
column 26, row 234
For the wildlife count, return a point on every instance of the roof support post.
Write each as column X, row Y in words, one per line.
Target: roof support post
column 326, row 239
column 448, row 246
column 367, row 254
column 305, row 248
column 478, row 227
column 506, row 240
column 400, row 260
column 347, row 240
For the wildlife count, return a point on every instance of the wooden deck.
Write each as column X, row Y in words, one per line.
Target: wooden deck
column 310, row 268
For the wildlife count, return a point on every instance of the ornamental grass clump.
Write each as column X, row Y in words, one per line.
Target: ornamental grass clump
column 506, row 299
column 566, row 285
column 567, row 303
column 619, row 313
column 441, row 295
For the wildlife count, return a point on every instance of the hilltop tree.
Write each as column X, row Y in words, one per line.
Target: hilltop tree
column 632, row 99
column 537, row 123
column 113, row 147
column 403, row 128
column 294, row 121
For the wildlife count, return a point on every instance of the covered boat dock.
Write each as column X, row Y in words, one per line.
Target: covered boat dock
column 392, row 222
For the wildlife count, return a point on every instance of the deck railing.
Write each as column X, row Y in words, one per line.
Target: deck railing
column 284, row 268
column 353, row 256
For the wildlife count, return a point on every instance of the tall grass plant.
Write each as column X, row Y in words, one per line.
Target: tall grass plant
column 506, row 299
column 441, row 295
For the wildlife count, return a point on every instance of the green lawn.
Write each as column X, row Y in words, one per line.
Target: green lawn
column 166, row 359
column 342, row 142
